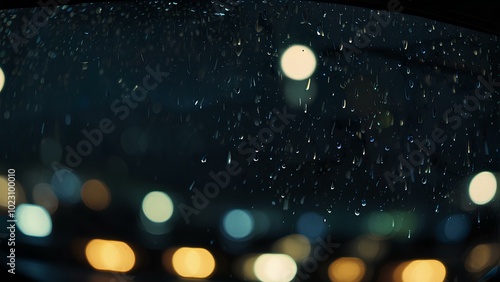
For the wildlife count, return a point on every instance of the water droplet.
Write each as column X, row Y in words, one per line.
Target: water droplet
column 229, row 158
column 363, row 203
column 424, row 180
column 387, row 148
column 410, row 138
column 372, row 139
column 339, row 145
column 357, row 212
column 204, row 159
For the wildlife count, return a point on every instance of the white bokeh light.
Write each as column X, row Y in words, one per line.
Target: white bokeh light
column 298, row 62
column 275, row 268
column 157, row 206
column 482, row 188
column 33, row 220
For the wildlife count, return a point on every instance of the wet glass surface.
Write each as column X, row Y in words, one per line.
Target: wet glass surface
column 371, row 136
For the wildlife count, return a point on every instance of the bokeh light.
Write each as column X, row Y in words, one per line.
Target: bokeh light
column 4, row 192
column 423, row 271
column 238, row 224
column 193, row 262
column 298, row 62
column 2, row 79
column 380, row 223
column 44, row 196
column 33, row 220
column 66, row 186
column 481, row 257
column 96, row 195
column 244, row 267
column 453, row 228
column 110, row 255
column 370, row 247
column 157, row 206
column 295, row 245
column 347, row 269
column 275, row 268
column 311, row 225
column 482, row 188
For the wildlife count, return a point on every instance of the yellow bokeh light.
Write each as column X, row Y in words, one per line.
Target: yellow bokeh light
column 298, row 62
column 424, row 271
column 95, row 195
column 243, row 267
column 2, row 79
column 347, row 269
column 296, row 246
column 369, row 247
column 4, row 193
column 275, row 268
column 481, row 257
column 110, row 255
column 483, row 188
column 193, row 262
column 157, row 206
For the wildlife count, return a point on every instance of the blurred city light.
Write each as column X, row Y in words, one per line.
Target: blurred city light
column 481, row 257
column 96, row 195
column 347, row 269
column 110, row 255
column 380, row 223
column 420, row 271
column 298, row 62
column 193, row 262
column 4, row 193
column 275, row 268
column 311, row 225
column 454, row 228
column 66, row 186
column 33, row 220
column 482, row 188
column 2, row 79
column 244, row 267
column 295, row 245
column 44, row 196
column 157, row 206
column 238, row 224
column 369, row 247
